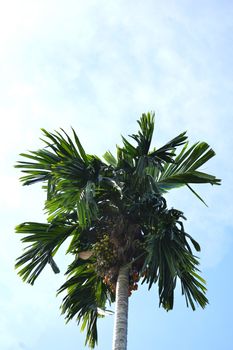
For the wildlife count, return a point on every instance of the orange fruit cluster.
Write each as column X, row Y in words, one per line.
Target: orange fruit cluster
column 134, row 278
column 133, row 285
column 107, row 280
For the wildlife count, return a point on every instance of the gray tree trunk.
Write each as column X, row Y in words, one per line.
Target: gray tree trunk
column 121, row 310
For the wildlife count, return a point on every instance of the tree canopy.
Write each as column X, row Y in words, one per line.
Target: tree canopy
column 113, row 211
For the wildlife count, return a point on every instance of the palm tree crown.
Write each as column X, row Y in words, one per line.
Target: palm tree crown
column 114, row 213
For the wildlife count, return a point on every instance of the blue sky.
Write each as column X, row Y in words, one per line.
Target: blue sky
column 96, row 66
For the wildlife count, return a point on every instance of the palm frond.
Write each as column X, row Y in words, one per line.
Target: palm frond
column 143, row 139
column 166, row 153
column 129, row 150
column 59, row 159
column 170, row 258
column 184, row 169
column 86, row 206
column 40, row 169
column 110, row 159
column 86, row 294
column 44, row 241
column 144, row 135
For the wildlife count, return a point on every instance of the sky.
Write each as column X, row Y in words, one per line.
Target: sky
column 97, row 66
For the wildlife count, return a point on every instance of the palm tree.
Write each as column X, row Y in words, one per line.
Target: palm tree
column 115, row 216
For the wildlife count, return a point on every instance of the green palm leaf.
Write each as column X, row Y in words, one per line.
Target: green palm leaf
column 165, row 154
column 110, row 159
column 144, row 136
column 59, row 160
column 184, row 169
column 44, row 241
column 169, row 256
column 86, row 295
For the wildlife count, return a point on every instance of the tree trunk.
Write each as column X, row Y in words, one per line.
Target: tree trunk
column 121, row 310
